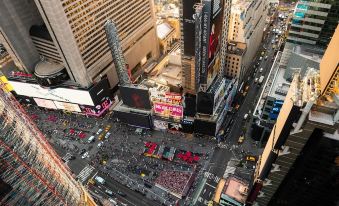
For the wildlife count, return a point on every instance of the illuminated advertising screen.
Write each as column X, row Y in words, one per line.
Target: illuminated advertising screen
column 211, row 26
column 67, row 106
column 135, row 119
column 204, row 127
column 45, row 103
column 168, row 110
column 100, row 91
column 60, row 94
column 188, row 26
column 135, row 97
column 98, row 109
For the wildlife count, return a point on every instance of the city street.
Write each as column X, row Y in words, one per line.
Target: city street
column 231, row 149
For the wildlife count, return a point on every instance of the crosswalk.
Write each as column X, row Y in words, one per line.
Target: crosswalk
column 211, row 176
column 85, row 173
column 67, row 157
column 231, row 167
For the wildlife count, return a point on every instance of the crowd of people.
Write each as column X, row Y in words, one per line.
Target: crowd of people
column 174, row 181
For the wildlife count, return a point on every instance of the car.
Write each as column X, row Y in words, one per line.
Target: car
column 112, row 201
column 273, row 41
column 82, row 151
column 266, row 57
column 85, row 155
column 107, row 128
column 109, row 192
column 241, row 139
column 100, row 144
column 121, row 193
column 260, row 58
column 107, row 135
column 245, row 116
column 100, row 180
column 251, row 158
column 237, row 106
column 261, row 70
column 99, row 131
column 101, row 136
column 91, row 139
column 256, row 80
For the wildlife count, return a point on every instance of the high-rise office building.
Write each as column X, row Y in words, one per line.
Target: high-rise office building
column 73, row 32
column 245, row 34
column 192, row 32
column 31, row 173
column 312, row 26
column 299, row 165
column 314, row 22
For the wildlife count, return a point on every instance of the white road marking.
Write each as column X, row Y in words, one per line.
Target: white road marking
column 85, row 173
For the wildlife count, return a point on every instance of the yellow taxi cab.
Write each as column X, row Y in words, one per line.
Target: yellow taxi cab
column 250, row 158
column 241, row 139
column 107, row 128
column 101, row 136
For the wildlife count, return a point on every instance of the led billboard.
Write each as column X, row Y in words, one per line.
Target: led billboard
column 58, row 94
column 168, row 110
column 67, row 106
column 211, row 29
column 135, row 119
column 45, row 103
column 188, row 11
column 135, row 97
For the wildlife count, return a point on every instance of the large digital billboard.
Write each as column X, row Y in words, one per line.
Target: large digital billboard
column 76, row 96
column 67, row 106
column 211, row 29
column 168, row 110
column 135, row 119
column 188, row 11
column 100, row 91
column 135, row 97
column 45, row 103
column 98, row 109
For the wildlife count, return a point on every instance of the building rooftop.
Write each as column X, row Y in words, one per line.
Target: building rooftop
column 46, row 68
column 279, row 86
column 168, row 71
column 231, row 190
column 236, row 48
column 241, row 5
column 163, row 30
column 272, row 79
column 301, row 58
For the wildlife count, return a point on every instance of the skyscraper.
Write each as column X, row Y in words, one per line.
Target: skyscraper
column 299, row 165
column 314, row 22
column 246, row 30
column 73, row 32
column 312, row 26
column 31, row 173
column 193, row 47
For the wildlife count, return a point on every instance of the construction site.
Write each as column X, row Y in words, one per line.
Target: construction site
column 31, row 172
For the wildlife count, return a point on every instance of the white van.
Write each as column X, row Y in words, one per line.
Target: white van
column 99, row 180
column 245, row 116
column 91, row 139
column 261, row 69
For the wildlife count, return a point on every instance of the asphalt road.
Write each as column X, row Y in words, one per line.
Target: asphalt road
column 221, row 156
column 132, row 198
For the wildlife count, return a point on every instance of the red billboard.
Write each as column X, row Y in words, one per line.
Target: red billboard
column 168, row 110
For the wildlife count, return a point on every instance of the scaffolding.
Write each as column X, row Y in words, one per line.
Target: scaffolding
column 33, row 172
